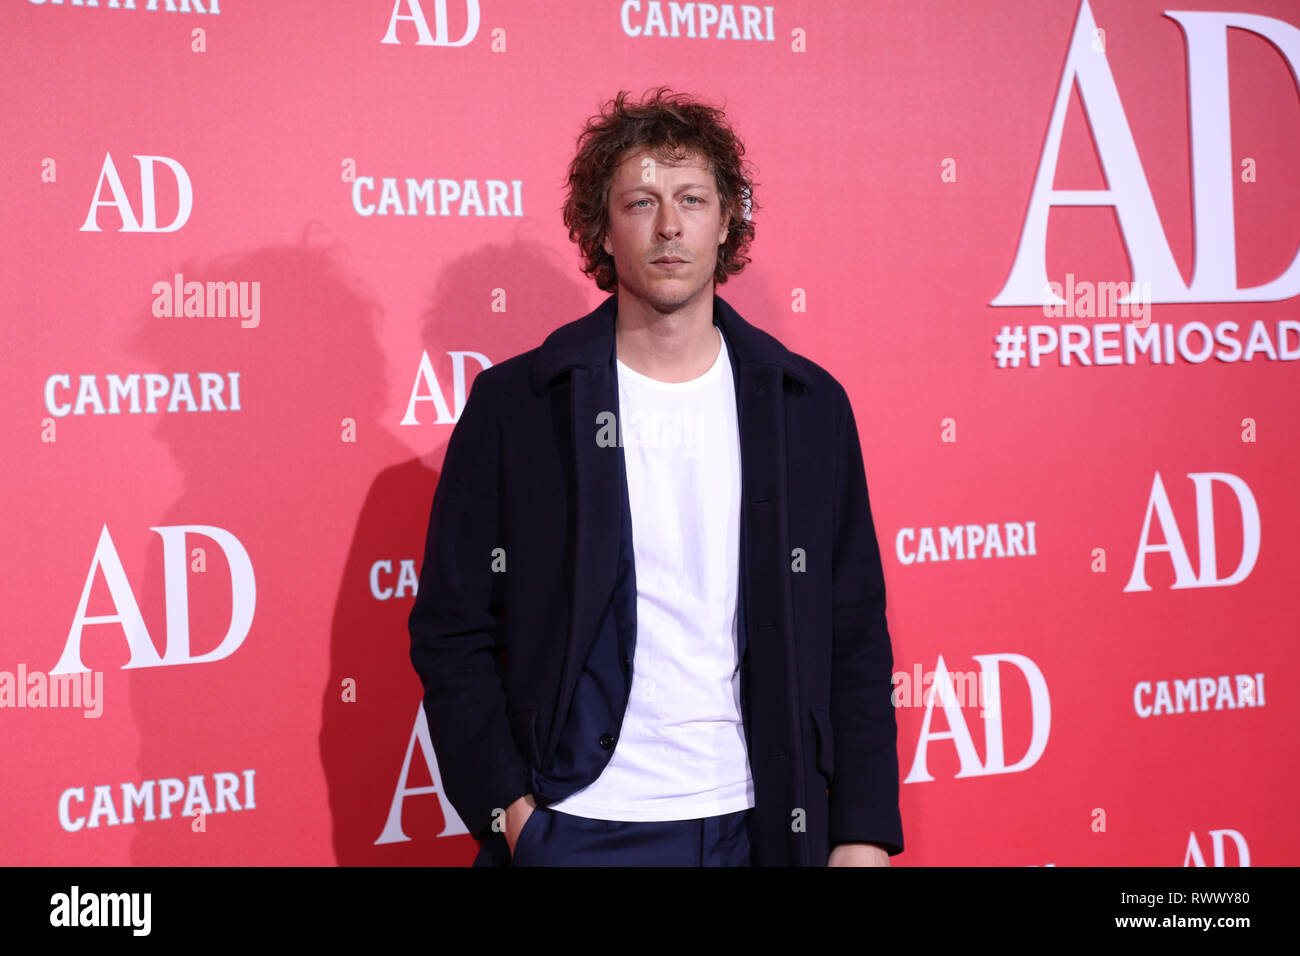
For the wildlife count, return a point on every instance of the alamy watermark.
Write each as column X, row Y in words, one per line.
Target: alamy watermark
column 1101, row 300
column 83, row 691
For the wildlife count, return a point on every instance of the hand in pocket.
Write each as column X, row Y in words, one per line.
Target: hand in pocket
column 517, row 816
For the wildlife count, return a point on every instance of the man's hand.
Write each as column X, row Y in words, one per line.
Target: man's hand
column 517, row 815
column 858, row 854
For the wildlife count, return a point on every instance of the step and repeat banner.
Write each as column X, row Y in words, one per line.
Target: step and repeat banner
column 255, row 254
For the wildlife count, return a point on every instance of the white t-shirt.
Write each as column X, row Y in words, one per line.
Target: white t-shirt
column 681, row 751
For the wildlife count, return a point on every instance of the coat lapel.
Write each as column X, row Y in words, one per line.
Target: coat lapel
column 599, row 508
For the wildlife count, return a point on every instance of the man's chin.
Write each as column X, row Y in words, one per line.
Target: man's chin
column 670, row 300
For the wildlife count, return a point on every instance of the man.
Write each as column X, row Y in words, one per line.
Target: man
column 651, row 616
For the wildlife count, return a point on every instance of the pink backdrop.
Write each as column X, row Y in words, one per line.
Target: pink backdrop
column 897, row 147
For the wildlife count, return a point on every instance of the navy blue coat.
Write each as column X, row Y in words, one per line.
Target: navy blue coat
column 524, row 624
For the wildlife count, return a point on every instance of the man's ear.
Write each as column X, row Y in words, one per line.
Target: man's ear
column 606, row 243
column 726, row 225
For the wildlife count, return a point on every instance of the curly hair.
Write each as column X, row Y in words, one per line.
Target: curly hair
column 670, row 126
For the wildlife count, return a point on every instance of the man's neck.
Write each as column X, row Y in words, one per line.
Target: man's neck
column 678, row 346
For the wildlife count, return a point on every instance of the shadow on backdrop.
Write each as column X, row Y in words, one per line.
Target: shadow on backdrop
column 364, row 745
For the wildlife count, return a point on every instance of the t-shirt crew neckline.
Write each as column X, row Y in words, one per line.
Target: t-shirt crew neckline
column 680, row 386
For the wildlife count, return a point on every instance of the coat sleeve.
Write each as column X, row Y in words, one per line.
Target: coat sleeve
column 455, row 623
column 864, row 791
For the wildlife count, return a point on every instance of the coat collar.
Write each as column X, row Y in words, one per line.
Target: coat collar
column 588, row 342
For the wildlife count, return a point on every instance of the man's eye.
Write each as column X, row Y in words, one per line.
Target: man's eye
column 639, row 202
column 696, row 198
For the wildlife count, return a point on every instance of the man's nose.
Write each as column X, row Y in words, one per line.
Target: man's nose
column 668, row 225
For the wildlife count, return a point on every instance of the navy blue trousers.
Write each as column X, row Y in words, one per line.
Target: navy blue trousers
column 554, row 838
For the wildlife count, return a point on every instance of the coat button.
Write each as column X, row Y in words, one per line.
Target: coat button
column 607, row 741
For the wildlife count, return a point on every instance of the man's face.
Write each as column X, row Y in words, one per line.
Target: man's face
column 665, row 226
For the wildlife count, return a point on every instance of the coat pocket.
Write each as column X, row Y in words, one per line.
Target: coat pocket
column 825, row 742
